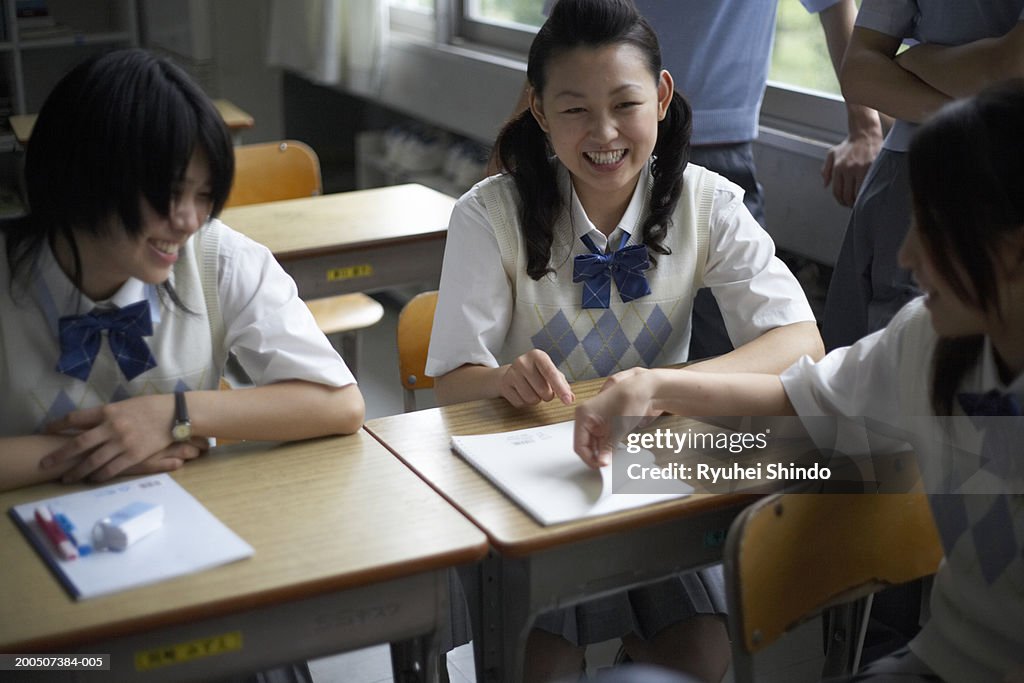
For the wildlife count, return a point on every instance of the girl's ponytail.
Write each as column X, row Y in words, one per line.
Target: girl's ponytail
column 523, row 153
column 671, row 154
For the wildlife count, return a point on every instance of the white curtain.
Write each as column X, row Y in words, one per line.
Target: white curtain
column 334, row 42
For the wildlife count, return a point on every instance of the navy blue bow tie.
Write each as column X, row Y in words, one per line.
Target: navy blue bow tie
column 80, row 337
column 990, row 403
column 596, row 270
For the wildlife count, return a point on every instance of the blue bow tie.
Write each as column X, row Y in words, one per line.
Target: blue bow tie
column 990, row 403
column 80, row 337
column 596, row 270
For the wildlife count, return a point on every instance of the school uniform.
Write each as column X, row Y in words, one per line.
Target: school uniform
column 489, row 311
column 238, row 300
column 976, row 630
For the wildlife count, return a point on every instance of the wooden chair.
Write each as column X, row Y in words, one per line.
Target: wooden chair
column 790, row 557
column 414, row 325
column 289, row 169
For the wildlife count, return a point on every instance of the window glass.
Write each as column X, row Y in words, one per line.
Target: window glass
column 524, row 14
column 425, row 5
column 800, row 56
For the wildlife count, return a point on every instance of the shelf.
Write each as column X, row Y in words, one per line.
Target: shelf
column 76, row 39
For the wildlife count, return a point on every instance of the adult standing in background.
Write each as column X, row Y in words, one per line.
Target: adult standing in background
column 718, row 54
column 962, row 46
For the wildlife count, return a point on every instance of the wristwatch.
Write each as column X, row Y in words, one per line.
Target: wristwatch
column 181, row 430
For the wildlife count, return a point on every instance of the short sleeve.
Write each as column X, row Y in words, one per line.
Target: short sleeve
column 891, row 17
column 755, row 291
column 815, row 6
column 860, row 380
column 475, row 297
column 268, row 327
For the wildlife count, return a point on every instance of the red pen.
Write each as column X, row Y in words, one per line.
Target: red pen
column 46, row 522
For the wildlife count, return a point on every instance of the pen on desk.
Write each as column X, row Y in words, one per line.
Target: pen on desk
column 56, row 535
column 68, row 527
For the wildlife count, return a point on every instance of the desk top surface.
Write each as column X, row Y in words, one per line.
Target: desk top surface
column 323, row 516
column 295, row 228
column 422, row 440
column 236, row 119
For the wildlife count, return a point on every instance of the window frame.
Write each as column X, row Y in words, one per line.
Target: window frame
column 786, row 106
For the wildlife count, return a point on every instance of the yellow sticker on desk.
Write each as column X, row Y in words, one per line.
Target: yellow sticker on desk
column 350, row 272
column 179, row 653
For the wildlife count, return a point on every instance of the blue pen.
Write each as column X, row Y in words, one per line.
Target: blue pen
column 69, row 530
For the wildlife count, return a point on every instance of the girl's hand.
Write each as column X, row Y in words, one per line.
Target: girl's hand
column 116, row 437
column 624, row 402
column 171, row 458
column 532, row 378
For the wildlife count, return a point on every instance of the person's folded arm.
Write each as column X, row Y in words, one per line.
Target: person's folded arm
column 963, row 70
column 871, row 76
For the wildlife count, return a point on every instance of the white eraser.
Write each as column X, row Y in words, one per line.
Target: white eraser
column 128, row 525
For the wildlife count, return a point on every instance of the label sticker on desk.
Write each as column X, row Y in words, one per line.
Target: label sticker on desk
column 350, row 272
column 180, row 653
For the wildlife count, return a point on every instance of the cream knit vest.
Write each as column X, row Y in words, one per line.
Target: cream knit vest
column 584, row 343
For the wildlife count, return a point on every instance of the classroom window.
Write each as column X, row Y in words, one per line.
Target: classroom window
column 800, row 57
column 504, row 24
column 413, row 16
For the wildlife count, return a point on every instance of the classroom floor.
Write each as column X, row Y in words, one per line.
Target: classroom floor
column 795, row 659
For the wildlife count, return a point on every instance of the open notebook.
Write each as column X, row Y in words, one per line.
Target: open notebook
column 538, row 469
column 190, row 538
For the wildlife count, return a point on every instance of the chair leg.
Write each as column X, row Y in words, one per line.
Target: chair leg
column 844, row 637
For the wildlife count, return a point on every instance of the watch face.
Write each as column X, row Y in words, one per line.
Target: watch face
column 182, row 431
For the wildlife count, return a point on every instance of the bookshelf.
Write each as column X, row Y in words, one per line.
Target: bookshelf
column 35, row 51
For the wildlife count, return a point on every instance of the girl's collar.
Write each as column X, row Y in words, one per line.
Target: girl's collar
column 57, row 296
column 990, row 376
column 631, row 220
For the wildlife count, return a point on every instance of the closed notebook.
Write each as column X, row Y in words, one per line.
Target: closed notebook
column 539, row 470
column 190, row 538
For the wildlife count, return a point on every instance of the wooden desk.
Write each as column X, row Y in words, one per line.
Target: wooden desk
column 351, row 549
column 236, row 119
column 352, row 241
column 533, row 568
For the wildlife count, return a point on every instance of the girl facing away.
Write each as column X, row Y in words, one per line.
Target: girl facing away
column 121, row 291
column 585, row 263
column 956, row 352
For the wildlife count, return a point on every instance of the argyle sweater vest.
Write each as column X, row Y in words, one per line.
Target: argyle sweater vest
column 976, row 629
column 585, row 343
column 188, row 347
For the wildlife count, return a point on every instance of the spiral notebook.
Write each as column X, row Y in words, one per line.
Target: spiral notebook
column 190, row 539
column 538, row 469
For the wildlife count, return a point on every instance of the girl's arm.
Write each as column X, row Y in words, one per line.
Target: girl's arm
column 963, row 70
column 772, row 352
column 629, row 396
column 22, row 455
column 872, row 77
column 20, row 463
column 530, row 379
column 118, row 436
column 847, row 163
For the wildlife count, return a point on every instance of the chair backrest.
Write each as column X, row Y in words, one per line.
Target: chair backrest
column 789, row 557
column 270, row 171
column 414, row 325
